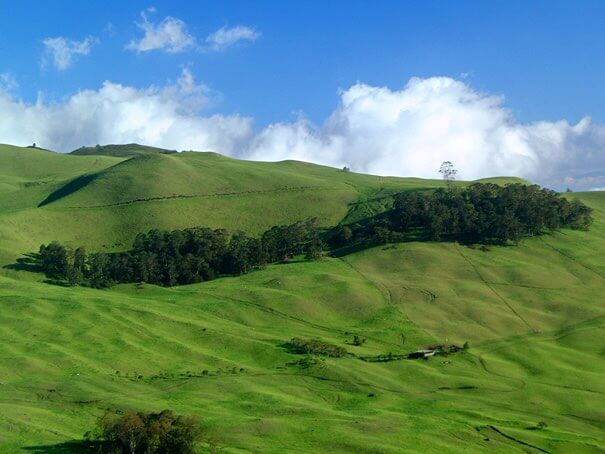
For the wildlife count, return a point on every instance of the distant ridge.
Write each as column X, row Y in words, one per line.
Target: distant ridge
column 124, row 150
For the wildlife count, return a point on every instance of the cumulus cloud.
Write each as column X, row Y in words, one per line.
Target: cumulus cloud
column 412, row 130
column 165, row 117
column 228, row 36
column 60, row 52
column 405, row 132
column 169, row 35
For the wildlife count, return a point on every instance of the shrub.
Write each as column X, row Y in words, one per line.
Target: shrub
column 359, row 340
column 315, row 347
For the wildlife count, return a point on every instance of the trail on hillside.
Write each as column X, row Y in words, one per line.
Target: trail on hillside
column 500, row 297
column 516, row 440
column 206, row 196
column 388, row 297
column 552, row 336
column 572, row 258
column 293, row 318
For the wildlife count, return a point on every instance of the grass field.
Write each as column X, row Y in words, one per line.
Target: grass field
column 533, row 315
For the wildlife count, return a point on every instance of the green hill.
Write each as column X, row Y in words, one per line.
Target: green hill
column 532, row 314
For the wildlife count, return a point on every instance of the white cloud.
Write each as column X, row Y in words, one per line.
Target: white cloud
column 60, row 51
column 228, row 36
column 165, row 117
column 412, row 130
column 405, row 132
column 169, row 35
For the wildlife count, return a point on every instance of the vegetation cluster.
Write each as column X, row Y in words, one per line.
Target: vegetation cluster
column 482, row 213
column 181, row 256
column 315, row 347
column 147, row 433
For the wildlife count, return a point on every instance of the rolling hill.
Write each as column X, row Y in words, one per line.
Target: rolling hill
column 533, row 315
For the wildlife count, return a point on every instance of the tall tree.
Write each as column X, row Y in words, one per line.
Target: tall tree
column 448, row 171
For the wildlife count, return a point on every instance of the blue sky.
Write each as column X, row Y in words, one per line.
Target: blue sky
column 546, row 59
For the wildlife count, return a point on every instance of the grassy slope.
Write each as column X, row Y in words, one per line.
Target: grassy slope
column 533, row 315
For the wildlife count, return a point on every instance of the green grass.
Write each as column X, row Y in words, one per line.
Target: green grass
column 533, row 316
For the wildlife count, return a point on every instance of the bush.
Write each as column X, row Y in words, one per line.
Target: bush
column 315, row 347
column 359, row 340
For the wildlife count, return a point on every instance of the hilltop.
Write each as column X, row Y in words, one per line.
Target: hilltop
column 532, row 315
column 127, row 150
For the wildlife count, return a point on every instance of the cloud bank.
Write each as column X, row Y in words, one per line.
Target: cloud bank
column 165, row 117
column 405, row 132
column 412, row 130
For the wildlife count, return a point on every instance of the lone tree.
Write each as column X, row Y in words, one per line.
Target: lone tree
column 447, row 171
column 147, row 433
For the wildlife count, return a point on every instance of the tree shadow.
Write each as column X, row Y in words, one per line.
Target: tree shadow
column 32, row 262
column 29, row 262
column 69, row 447
column 59, row 282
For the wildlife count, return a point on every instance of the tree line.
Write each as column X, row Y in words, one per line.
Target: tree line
column 181, row 256
column 483, row 213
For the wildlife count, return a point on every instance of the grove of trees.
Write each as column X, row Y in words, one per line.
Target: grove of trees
column 181, row 256
column 483, row 213
column 315, row 347
column 147, row 433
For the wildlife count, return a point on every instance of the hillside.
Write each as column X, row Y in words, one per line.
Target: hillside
column 532, row 314
column 86, row 200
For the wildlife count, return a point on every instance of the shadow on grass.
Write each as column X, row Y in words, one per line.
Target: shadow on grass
column 29, row 262
column 71, row 187
column 74, row 446
column 59, row 282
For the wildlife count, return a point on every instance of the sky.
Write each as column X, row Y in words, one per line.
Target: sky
column 390, row 87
